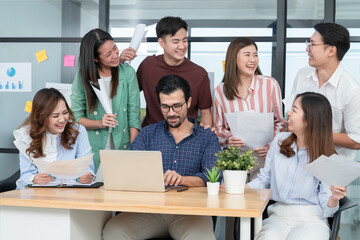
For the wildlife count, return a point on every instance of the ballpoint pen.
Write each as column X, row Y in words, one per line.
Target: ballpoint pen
column 182, row 189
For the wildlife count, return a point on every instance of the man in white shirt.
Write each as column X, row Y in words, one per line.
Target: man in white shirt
column 326, row 75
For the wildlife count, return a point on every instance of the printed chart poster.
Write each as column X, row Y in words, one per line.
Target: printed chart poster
column 15, row 77
column 64, row 88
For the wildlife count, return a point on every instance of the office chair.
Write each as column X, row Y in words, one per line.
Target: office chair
column 334, row 221
column 9, row 183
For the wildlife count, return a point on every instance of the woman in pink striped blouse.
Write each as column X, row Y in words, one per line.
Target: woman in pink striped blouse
column 245, row 89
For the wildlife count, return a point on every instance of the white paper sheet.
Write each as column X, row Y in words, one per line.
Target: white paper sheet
column 64, row 88
column 255, row 129
column 334, row 170
column 102, row 95
column 137, row 37
column 68, row 169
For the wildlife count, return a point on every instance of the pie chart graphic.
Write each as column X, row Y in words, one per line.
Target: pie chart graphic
column 11, row 72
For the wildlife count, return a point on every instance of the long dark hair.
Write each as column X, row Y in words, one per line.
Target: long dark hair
column 44, row 103
column 231, row 76
column 318, row 132
column 89, row 68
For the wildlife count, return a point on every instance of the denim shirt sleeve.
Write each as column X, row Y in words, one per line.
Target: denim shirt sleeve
column 140, row 142
column 208, row 159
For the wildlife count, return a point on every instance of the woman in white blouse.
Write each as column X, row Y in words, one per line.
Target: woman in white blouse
column 245, row 89
column 50, row 134
column 303, row 203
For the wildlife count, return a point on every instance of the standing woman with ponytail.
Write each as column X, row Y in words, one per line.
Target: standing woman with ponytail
column 99, row 58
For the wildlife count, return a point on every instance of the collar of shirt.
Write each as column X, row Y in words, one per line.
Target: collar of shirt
column 333, row 80
column 190, row 119
column 252, row 84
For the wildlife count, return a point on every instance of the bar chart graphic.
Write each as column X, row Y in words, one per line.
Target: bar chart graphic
column 15, row 77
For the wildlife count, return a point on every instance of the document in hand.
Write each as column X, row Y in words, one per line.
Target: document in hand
column 65, row 170
column 334, row 170
column 255, row 129
column 102, row 95
column 139, row 34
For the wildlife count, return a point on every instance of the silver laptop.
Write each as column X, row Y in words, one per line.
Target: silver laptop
column 132, row 170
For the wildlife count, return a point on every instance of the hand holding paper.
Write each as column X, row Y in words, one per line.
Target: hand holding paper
column 42, row 178
column 334, row 170
column 236, row 141
column 137, row 37
column 254, row 129
column 68, row 169
column 128, row 54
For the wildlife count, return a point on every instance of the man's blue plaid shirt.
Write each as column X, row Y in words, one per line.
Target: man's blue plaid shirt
column 190, row 157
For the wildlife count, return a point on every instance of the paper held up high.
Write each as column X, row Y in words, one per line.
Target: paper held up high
column 334, row 170
column 137, row 37
column 102, row 95
column 68, row 169
column 255, row 129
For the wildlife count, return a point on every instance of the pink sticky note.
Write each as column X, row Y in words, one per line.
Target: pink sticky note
column 69, row 60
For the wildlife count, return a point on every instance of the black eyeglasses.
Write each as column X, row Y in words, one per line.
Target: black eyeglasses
column 176, row 107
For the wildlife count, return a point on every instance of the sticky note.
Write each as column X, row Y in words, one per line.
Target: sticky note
column 223, row 64
column 28, row 106
column 41, row 56
column 69, row 60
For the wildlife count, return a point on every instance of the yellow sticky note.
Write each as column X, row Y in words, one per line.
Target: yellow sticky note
column 41, row 56
column 223, row 63
column 28, row 106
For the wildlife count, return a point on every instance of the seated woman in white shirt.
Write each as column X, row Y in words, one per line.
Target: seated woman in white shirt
column 50, row 134
column 303, row 203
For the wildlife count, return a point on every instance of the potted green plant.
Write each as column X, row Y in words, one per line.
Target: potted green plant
column 235, row 164
column 213, row 177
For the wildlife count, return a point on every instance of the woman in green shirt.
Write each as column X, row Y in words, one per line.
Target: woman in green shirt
column 99, row 59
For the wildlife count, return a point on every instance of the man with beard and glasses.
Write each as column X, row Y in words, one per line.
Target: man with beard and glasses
column 187, row 151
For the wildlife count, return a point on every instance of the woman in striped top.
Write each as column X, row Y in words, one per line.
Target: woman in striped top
column 302, row 202
column 245, row 89
column 50, row 134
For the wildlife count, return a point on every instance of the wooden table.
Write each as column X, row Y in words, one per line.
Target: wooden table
column 50, row 213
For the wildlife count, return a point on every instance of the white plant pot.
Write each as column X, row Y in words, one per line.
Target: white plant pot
column 234, row 181
column 213, row 188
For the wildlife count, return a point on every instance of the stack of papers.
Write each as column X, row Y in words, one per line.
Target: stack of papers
column 255, row 129
column 67, row 170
